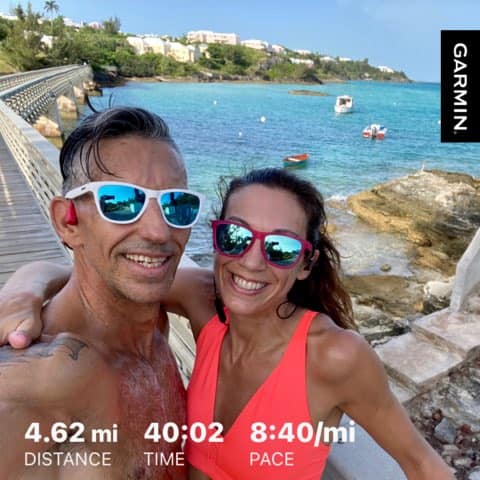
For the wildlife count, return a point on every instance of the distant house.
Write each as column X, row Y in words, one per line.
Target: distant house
column 8, row 17
column 305, row 61
column 137, row 44
column 95, row 25
column 278, row 49
column 68, row 22
column 385, row 69
column 183, row 53
column 303, row 52
column 207, row 36
column 326, row 58
column 344, row 59
column 154, row 44
column 47, row 40
column 256, row 44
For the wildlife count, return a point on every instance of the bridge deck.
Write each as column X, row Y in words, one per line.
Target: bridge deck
column 25, row 233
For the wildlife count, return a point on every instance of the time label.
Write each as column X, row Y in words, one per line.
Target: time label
column 74, row 433
column 197, row 432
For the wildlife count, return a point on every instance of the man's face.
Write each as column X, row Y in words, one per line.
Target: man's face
column 136, row 261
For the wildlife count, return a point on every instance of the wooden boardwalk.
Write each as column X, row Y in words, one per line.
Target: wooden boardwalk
column 25, row 233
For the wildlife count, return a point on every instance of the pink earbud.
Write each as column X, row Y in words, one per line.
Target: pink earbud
column 71, row 215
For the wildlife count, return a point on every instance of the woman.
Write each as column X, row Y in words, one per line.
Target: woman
column 281, row 358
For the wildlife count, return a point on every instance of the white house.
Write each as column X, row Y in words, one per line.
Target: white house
column 305, row 61
column 256, row 44
column 47, row 40
column 344, row 59
column 183, row 53
column 207, row 36
column 278, row 49
column 326, row 58
column 303, row 52
column 155, row 45
column 8, row 17
column 385, row 69
column 68, row 22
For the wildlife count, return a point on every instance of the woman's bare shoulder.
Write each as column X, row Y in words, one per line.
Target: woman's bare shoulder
column 334, row 352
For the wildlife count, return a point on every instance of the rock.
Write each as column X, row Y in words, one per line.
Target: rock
column 47, row 127
column 438, row 212
column 67, row 107
column 474, row 474
column 437, row 295
column 385, row 267
column 445, row 431
column 451, row 451
column 463, row 462
column 392, row 294
column 312, row 93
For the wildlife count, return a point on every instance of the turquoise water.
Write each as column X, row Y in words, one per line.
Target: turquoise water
column 219, row 130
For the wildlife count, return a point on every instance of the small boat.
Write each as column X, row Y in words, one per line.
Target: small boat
column 344, row 104
column 375, row 131
column 299, row 160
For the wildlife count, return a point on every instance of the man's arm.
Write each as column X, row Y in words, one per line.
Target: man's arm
column 22, row 297
column 46, row 383
column 192, row 295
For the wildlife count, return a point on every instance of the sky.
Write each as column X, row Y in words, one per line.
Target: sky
column 401, row 34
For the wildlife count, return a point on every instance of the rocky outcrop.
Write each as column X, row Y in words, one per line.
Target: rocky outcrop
column 382, row 304
column 438, row 212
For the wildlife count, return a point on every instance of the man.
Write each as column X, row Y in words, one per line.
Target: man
column 82, row 401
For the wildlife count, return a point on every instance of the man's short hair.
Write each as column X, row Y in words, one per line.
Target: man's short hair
column 83, row 144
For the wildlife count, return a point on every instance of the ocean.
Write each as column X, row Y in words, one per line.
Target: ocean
column 224, row 129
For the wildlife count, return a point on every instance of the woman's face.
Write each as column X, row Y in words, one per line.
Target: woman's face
column 249, row 285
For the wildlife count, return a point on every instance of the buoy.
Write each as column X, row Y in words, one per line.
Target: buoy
column 214, row 102
column 240, row 134
column 263, row 119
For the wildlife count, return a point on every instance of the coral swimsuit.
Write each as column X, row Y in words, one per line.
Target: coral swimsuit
column 280, row 401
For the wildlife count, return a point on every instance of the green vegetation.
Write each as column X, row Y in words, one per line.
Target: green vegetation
column 21, row 47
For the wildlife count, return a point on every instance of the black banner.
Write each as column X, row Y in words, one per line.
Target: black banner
column 460, row 86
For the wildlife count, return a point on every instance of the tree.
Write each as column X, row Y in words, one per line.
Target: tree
column 111, row 26
column 51, row 7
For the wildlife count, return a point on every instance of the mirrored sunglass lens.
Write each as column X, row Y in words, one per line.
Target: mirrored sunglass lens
column 180, row 208
column 121, row 203
column 282, row 250
column 232, row 239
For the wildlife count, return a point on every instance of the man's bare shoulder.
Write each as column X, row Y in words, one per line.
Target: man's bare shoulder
column 54, row 369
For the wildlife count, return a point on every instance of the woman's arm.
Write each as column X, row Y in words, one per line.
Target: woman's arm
column 192, row 296
column 367, row 399
column 22, row 297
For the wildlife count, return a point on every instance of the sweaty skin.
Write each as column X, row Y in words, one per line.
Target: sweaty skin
column 67, row 375
column 104, row 360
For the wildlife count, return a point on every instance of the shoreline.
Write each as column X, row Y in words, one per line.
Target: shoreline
column 106, row 81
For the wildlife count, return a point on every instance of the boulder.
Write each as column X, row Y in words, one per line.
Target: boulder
column 47, row 128
column 437, row 295
column 438, row 212
column 67, row 107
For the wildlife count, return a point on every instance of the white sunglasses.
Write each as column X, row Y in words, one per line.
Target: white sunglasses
column 125, row 203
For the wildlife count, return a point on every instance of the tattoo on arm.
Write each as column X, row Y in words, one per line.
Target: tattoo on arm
column 10, row 357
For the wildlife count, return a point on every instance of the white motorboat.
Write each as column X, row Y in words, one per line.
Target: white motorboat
column 344, row 104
